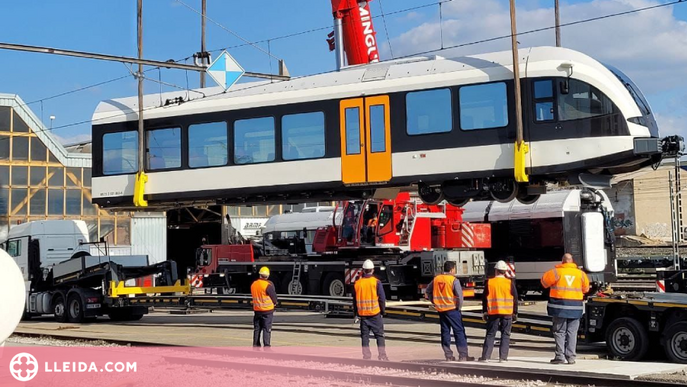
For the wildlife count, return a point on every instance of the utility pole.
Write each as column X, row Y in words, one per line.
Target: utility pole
column 558, row 24
column 139, row 75
column 202, row 39
column 520, row 147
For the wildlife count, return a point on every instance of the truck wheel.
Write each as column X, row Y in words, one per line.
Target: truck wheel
column 627, row 339
column 290, row 287
column 334, row 285
column 59, row 308
column 75, row 309
column 135, row 317
column 675, row 343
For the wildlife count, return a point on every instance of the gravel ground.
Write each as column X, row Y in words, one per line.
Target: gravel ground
column 678, row 377
column 53, row 342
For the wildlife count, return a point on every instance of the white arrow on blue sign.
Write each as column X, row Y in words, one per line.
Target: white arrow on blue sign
column 225, row 70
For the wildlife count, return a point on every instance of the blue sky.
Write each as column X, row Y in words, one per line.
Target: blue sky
column 651, row 46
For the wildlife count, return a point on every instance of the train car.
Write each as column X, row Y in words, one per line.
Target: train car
column 444, row 126
column 534, row 237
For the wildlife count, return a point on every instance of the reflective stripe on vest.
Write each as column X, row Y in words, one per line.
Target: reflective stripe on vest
column 262, row 302
column 366, row 297
column 500, row 300
column 443, row 297
column 568, row 284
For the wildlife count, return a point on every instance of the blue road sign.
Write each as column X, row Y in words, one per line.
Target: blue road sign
column 225, row 70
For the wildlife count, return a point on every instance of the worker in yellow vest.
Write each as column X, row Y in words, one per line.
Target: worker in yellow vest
column 567, row 285
column 447, row 296
column 369, row 302
column 264, row 301
column 500, row 309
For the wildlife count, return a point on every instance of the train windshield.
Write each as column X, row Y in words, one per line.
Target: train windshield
column 633, row 89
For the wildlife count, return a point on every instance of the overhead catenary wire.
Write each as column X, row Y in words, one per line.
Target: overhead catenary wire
column 481, row 41
column 386, row 30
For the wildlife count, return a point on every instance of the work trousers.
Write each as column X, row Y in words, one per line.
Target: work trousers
column 565, row 334
column 262, row 323
column 374, row 324
column 453, row 320
column 497, row 323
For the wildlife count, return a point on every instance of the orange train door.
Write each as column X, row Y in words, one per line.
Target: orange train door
column 365, row 140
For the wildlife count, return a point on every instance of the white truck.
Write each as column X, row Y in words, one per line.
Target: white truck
column 62, row 277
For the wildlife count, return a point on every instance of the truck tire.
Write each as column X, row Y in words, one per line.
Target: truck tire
column 627, row 339
column 334, row 285
column 59, row 308
column 75, row 308
column 675, row 343
column 295, row 289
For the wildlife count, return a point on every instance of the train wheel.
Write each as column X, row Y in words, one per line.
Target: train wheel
column 334, row 285
column 524, row 198
column 503, row 191
column 675, row 343
column 430, row 195
column 60, row 309
column 627, row 339
column 458, row 202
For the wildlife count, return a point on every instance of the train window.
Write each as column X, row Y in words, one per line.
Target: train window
column 302, row 136
column 120, row 153
column 353, row 131
column 483, row 106
column 429, row 112
column 254, row 140
column 207, row 145
column 583, row 101
column 543, row 100
column 377, row 129
column 164, row 148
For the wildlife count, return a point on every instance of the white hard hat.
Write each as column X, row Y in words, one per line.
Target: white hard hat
column 501, row 265
column 368, row 264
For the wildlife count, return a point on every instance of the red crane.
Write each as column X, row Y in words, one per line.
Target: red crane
column 357, row 36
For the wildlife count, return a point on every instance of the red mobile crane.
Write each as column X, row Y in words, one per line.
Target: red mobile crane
column 353, row 33
column 409, row 241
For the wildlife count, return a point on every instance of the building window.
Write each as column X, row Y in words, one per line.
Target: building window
column 37, row 202
column 38, row 150
column 73, row 177
column 164, row 148
column 20, row 148
column 56, row 176
column 4, row 147
column 254, row 140
column 377, row 129
column 353, row 131
column 20, row 175
column 73, row 200
column 207, row 145
column 303, row 136
column 429, row 112
column 5, row 112
column 543, row 100
column 582, row 101
column 38, row 177
column 120, row 153
column 56, row 202
column 483, row 106
column 19, row 124
column 4, row 175
column 19, row 202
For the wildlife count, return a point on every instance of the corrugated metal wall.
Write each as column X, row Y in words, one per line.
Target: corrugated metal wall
column 149, row 236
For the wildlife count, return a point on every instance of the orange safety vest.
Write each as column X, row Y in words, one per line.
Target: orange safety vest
column 500, row 300
column 366, row 297
column 262, row 302
column 567, row 282
column 443, row 297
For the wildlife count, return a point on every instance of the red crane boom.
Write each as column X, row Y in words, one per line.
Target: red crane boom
column 358, row 34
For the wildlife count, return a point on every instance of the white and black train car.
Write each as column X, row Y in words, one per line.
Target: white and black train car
column 535, row 236
column 447, row 125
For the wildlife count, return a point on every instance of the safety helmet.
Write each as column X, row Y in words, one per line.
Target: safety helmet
column 501, row 265
column 368, row 264
column 264, row 271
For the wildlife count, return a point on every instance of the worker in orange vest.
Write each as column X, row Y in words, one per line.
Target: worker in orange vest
column 369, row 303
column 264, row 301
column 447, row 296
column 500, row 309
column 568, row 286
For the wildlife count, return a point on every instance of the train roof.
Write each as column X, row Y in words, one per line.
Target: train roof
column 354, row 81
column 551, row 205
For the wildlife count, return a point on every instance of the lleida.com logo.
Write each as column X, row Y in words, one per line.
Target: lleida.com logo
column 24, row 367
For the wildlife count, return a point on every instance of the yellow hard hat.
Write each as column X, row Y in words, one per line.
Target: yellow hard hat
column 264, row 270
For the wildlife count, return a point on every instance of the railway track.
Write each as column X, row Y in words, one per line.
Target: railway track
column 339, row 369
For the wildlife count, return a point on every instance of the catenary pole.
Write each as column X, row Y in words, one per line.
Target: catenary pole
column 202, row 40
column 558, row 23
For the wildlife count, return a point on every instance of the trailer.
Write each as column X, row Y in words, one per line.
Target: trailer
column 631, row 324
column 322, row 252
column 62, row 278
